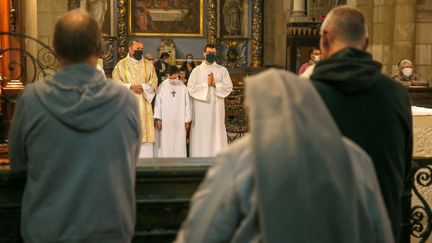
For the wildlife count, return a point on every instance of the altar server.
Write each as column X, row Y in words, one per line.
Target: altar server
column 172, row 115
column 209, row 84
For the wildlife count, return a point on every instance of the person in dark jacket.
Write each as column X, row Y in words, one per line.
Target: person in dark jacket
column 161, row 65
column 188, row 65
column 368, row 107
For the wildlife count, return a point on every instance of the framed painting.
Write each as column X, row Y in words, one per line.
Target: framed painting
column 166, row 18
column 102, row 11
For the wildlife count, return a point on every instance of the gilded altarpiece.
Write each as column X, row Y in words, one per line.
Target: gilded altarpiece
column 234, row 26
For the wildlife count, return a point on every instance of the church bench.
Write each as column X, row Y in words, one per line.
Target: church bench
column 163, row 190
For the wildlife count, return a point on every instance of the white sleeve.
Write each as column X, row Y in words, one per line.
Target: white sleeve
column 148, row 92
column 197, row 90
column 188, row 107
column 225, row 86
column 158, row 104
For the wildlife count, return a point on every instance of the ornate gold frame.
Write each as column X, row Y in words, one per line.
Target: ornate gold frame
column 211, row 10
column 200, row 34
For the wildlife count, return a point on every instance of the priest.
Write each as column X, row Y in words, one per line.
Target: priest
column 139, row 75
column 209, row 84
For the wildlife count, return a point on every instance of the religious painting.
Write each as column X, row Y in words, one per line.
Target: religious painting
column 233, row 18
column 166, row 18
column 102, row 11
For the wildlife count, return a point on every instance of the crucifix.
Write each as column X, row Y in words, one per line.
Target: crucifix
column 173, row 93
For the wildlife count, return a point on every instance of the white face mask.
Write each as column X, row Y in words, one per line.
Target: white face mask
column 407, row 71
column 173, row 81
column 316, row 58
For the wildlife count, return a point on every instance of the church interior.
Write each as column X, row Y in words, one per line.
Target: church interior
column 250, row 36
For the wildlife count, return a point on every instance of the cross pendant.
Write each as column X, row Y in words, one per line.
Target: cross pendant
column 173, row 93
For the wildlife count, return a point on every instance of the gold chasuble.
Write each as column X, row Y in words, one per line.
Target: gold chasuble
column 129, row 71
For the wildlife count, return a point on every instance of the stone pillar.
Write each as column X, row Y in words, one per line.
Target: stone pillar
column 423, row 47
column 299, row 8
column 404, row 31
column 298, row 13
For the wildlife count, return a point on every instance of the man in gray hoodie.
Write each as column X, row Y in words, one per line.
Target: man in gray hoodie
column 77, row 137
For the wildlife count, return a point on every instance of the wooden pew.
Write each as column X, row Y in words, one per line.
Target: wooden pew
column 163, row 191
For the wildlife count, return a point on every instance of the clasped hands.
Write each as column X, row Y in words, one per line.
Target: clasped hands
column 158, row 125
column 210, row 80
column 137, row 88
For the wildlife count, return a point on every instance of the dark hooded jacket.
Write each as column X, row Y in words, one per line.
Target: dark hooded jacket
column 77, row 137
column 375, row 112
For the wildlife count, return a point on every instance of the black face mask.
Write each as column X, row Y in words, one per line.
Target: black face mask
column 138, row 54
column 211, row 57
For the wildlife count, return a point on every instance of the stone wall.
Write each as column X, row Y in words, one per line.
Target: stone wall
column 40, row 17
column 276, row 16
column 423, row 39
column 400, row 29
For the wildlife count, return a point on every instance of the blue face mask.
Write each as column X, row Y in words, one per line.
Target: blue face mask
column 190, row 61
column 210, row 58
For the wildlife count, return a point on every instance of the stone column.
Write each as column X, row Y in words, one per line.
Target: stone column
column 299, row 11
column 404, row 31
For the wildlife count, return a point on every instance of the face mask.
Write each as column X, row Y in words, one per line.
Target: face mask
column 189, row 61
column 210, row 58
column 173, row 80
column 316, row 58
column 407, row 71
column 138, row 54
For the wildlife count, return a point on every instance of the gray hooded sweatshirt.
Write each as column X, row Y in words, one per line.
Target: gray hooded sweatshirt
column 77, row 137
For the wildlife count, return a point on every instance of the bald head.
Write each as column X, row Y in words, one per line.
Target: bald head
column 344, row 27
column 77, row 37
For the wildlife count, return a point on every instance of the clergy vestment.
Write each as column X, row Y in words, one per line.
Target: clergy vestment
column 208, row 133
column 173, row 108
column 293, row 178
column 130, row 71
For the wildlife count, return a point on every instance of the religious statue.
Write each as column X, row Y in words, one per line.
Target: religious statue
column 97, row 9
column 232, row 16
column 168, row 45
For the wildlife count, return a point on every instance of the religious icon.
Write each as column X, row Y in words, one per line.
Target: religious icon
column 166, row 18
column 102, row 12
column 232, row 13
column 233, row 18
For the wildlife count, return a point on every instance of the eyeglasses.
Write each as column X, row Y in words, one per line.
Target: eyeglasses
column 210, row 52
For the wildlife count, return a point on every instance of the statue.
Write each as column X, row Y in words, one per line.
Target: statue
column 232, row 16
column 97, row 9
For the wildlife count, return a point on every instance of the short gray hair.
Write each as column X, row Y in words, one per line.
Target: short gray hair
column 405, row 61
column 348, row 23
column 148, row 56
